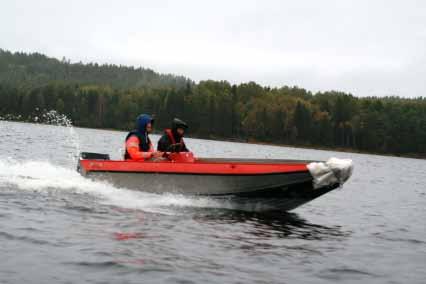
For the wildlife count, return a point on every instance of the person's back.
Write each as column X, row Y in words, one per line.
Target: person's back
column 138, row 145
column 172, row 139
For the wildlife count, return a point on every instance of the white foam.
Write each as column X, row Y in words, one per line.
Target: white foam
column 43, row 176
column 333, row 171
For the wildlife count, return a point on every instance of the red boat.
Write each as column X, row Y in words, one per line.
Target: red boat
column 284, row 184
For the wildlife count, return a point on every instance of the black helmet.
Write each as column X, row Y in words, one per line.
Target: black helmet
column 177, row 123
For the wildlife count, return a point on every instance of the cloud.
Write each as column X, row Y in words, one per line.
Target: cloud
column 363, row 47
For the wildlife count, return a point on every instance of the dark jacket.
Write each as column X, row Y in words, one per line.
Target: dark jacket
column 171, row 141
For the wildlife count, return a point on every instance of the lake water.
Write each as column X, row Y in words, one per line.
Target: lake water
column 58, row 227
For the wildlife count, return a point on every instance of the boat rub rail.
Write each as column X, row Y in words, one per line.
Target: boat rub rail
column 201, row 166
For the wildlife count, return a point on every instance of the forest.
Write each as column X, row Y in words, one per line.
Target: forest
column 110, row 96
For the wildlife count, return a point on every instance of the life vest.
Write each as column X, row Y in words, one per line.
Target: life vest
column 145, row 144
column 169, row 133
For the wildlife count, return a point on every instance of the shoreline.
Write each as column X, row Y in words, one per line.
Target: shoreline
column 255, row 142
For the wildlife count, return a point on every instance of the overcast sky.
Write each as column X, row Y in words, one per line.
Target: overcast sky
column 365, row 47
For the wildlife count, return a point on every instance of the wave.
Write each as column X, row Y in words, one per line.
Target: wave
column 42, row 176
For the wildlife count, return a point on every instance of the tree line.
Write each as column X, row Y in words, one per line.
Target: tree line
column 218, row 109
column 35, row 69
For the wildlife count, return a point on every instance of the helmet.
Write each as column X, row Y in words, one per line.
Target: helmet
column 142, row 121
column 177, row 123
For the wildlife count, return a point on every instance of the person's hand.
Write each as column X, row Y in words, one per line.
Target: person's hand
column 175, row 147
column 157, row 154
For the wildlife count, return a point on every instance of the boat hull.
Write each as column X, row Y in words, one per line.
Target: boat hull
column 247, row 184
column 200, row 184
column 278, row 199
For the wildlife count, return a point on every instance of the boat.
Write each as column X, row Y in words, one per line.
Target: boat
column 272, row 183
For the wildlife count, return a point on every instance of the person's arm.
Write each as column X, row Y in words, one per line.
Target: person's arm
column 162, row 144
column 132, row 147
column 184, row 149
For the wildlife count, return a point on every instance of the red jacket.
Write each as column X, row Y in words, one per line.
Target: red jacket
column 132, row 147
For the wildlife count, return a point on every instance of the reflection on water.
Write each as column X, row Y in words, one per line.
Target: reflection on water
column 273, row 224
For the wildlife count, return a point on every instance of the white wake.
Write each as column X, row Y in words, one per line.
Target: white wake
column 44, row 176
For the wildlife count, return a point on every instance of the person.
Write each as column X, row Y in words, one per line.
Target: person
column 172, row 140
column 138, row 144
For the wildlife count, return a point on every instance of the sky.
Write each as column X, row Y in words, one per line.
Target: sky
column 366, row 48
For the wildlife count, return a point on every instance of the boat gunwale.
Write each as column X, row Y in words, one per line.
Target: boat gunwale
column 202, row 166
column 252, row 161
column 198, row 174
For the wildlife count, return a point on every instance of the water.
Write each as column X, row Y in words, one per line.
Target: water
column 57, row 227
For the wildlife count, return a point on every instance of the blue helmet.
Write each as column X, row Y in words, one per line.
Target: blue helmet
column 142, row 121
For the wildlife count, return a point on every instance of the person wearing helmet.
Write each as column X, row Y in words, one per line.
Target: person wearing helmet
column 172, row 140
column 138, row 144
